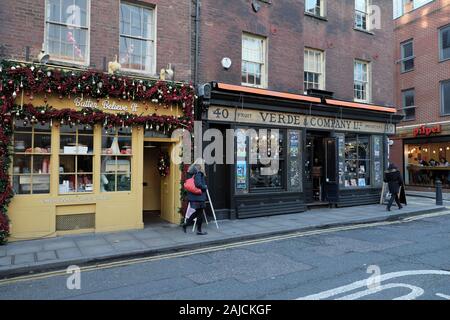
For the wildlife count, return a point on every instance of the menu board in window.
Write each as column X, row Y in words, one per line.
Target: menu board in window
column 377, row 160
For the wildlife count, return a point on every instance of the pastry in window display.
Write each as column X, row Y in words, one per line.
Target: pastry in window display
column 37, row 150
column 126, row 150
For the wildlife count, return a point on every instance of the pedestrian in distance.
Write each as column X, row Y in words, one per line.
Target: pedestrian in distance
column 394, row 180
column 197, row 201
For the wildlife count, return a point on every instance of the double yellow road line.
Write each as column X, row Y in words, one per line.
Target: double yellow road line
column 128, row 262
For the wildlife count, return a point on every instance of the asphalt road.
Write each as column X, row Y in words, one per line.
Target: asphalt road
column 412, row 260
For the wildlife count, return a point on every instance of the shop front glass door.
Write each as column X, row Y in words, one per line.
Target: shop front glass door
column 331, row 186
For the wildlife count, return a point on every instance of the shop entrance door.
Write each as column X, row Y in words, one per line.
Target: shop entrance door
column 331, row 183
column 314, row 168
column 151, row 184
column 160, row 194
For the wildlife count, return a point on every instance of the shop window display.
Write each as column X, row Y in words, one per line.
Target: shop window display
column 116, row 160
column 76, row 159
column 426, row 163
column 263, row 147
column 31, row 159
column 357, row 161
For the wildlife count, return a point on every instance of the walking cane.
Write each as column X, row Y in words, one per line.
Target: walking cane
column 212, row 208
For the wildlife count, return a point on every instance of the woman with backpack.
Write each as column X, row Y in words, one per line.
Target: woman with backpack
column 197, row 200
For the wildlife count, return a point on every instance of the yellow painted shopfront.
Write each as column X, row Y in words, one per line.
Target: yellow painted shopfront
column 71, row 177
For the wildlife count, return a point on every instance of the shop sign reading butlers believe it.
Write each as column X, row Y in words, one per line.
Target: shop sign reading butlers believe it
column 106, row 105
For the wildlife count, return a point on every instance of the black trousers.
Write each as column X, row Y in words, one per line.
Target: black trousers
column 199, row 215
column 394, row 196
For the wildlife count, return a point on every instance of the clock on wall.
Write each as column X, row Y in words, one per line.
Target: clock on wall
column 226, row 63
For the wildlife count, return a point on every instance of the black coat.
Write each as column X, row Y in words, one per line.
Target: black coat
column 393, row 179
column 200, row 182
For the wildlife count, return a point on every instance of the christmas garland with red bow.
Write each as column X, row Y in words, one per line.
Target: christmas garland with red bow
column 28, row 79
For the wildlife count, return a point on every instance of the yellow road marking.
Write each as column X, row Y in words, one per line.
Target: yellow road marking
column 133, row 261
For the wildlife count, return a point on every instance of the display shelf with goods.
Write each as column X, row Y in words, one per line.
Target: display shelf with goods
column 116, row 160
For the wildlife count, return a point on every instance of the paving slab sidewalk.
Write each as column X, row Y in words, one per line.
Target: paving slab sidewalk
column 32, row 256
column 428, row 194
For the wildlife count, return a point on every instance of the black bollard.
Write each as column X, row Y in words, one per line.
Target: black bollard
column 439, row 193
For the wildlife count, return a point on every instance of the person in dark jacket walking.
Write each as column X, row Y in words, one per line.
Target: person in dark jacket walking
column 197, row 201
column 394, row 180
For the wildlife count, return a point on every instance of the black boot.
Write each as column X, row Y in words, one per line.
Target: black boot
column 388, row 208
column 200, row 233
column 184, row 226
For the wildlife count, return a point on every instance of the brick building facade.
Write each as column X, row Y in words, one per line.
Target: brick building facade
column 420, row 73
column 279, row 51
column 288, row 30
column 23, row 24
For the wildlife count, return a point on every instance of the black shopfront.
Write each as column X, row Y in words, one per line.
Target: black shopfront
column 328, row 154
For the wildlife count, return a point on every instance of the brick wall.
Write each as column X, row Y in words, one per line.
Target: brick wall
column 422, row 25
column 289, row 31
column 22, row 24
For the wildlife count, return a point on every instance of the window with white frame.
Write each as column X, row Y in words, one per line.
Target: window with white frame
column 314, row 69
column 407, row 49
column 408, row 104
column 361, row 83
column 253, row 61
column 137, row 38
column 402, row 7
column 67, row 30
column 361, row 14
column 315, row 7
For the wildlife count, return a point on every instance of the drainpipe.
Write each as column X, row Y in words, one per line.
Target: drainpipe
column 197, row 40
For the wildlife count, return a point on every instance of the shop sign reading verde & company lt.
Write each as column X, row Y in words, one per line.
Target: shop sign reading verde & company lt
column 249, row 116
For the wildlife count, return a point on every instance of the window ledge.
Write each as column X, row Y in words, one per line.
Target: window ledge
column 64, row 63
column 253, row 86
column 314, row 16
column 444, row 60
column 364, row 31
column 407, row 71
column 136, row 73
column 361, row 101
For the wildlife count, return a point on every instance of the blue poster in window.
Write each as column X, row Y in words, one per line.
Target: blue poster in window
column 241, row 175
column 294, row 143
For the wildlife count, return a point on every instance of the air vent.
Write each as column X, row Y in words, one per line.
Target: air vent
column 75, row 222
